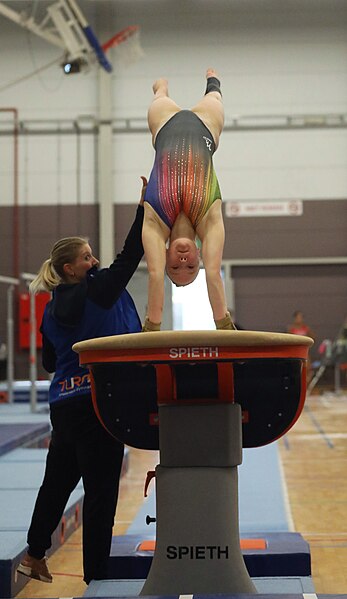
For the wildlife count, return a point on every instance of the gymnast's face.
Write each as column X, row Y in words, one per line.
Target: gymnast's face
column 182, row 261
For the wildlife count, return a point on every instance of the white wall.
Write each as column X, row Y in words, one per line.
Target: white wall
column 275, row 58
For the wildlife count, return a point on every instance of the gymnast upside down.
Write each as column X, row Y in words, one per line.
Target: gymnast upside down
column 183, row 200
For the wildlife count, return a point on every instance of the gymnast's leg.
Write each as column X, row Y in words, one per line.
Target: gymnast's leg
column 162, row 108
column 210, row 108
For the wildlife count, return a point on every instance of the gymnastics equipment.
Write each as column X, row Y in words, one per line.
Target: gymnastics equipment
column 211, row 393
column 127, row 44
column 66, row 27
column 11, row 282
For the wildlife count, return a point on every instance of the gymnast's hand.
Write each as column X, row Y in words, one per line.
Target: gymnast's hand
column 143, row 190
column 150, row 326
column 225, row 324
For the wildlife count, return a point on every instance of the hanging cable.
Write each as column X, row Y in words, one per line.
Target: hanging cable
column 25, row 77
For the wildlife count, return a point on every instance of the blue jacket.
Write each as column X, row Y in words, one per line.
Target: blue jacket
column 98, row 306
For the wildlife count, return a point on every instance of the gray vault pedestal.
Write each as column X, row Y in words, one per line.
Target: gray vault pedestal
column 198, row 544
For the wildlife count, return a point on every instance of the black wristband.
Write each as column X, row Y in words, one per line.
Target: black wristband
column 213, row 85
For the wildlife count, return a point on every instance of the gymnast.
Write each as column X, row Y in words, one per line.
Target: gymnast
column 183, row 200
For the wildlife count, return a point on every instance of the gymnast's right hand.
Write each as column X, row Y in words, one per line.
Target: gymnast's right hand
column 225, row 324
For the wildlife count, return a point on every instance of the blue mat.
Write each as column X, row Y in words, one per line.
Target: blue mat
column 24, row 454
column 21, row 474
column 13, row 435
column 13, row 545
column 286, row 554
column 21, row 413
column 21, row 390
column 262, row 494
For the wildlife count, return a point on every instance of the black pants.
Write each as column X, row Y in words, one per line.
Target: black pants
column 80, row 447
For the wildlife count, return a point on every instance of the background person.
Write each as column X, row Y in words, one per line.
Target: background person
column 298, row 325
column 86, row 303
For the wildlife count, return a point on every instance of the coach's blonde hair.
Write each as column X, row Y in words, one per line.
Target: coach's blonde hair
column 51, row 272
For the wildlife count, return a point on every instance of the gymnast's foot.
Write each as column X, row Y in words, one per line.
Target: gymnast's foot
column 161, row 87
column 211, row 73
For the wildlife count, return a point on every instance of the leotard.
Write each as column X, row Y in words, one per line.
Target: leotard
column 183, row 177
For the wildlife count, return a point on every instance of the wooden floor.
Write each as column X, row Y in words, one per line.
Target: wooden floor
column 314, row 458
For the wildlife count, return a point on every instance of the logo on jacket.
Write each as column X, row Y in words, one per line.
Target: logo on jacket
column 74, row 382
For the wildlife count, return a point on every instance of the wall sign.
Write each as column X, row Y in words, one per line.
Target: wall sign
column 268, row 208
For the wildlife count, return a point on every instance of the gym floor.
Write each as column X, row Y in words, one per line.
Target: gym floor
column 314, row 460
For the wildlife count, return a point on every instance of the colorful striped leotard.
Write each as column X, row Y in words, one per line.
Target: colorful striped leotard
column 183, row 177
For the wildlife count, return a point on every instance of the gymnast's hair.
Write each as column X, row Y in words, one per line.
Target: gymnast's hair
column 51, row 272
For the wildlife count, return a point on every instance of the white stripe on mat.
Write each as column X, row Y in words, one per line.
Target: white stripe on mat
column 185, row 596
column 309, row 596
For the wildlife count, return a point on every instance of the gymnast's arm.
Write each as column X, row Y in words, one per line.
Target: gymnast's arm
column 212, row 235
column 154, row 237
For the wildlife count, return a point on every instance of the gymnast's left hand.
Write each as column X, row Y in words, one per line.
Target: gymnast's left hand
column 149, row 326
